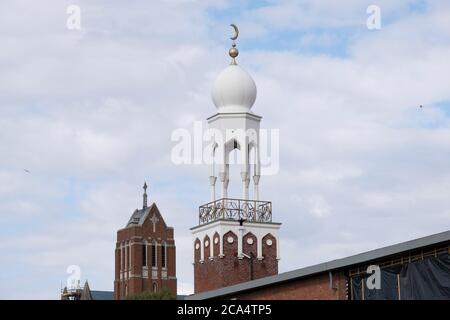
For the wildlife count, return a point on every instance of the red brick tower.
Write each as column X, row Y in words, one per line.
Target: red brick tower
column 145, row 254
column 235, row 240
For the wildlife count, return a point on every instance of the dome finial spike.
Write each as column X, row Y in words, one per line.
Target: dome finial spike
column 234, row 52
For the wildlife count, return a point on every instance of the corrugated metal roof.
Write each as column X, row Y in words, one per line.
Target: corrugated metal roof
column 327, row 266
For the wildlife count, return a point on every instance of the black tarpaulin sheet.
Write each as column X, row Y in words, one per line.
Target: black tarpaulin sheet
column 356, row 288
column 425, row 279
column 388, row 288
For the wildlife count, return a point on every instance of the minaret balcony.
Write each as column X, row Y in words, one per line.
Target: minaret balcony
column 236, row 209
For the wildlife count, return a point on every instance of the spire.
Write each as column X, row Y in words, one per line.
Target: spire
column 145, row 196
column 86, row 293
column 234, row 52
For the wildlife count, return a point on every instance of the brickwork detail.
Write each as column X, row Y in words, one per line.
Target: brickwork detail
column 132, row 275
column 229, row 269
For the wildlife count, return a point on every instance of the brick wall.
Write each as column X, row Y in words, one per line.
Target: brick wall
column 228, row 270
column 316, row 287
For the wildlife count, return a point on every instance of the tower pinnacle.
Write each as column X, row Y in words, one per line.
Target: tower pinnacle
column 144, row 205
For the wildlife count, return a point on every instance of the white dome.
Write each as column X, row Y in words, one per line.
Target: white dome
column 234, row 90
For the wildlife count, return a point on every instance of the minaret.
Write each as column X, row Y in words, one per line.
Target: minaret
column 235, row 240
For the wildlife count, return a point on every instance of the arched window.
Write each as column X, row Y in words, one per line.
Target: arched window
column 154, row 256
column 163, row 254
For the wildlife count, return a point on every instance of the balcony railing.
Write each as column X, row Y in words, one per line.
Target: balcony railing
column 236, row 209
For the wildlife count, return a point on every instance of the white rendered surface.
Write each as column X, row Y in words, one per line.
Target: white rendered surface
column 234, row 90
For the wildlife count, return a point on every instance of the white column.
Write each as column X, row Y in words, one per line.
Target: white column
column 221, row 255
column 256, row 189
column 240, row 239
column 211, row 248
column 245, row 168
column 259, row 247
column 257, row 169
column 212, row 182
column 212, row 176
column 222, row 176
column 225, row 194
column 227, row 179
column 245, row 184
column 257, row 172
column 202, row 251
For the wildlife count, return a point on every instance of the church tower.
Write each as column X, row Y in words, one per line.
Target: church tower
column 145, row 254
column 235, row 240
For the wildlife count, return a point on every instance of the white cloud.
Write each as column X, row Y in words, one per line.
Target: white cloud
column 90, row 115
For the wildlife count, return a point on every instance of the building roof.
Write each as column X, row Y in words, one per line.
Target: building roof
column 139, row 215
column 102, row 295
column 86, row 293
column 326, row 266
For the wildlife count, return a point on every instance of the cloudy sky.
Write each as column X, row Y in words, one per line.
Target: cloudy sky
column 90, row 113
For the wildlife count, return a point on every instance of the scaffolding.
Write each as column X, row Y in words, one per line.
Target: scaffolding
column 72, row 293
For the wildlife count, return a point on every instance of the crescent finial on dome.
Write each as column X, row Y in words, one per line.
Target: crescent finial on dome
column 234, row 52
column 234, row 90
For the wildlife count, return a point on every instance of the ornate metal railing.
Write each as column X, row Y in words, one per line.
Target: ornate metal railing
column 236, row 209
